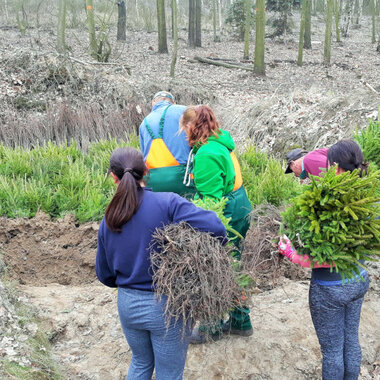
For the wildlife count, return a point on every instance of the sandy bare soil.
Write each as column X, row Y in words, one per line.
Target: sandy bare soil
column 53, row 261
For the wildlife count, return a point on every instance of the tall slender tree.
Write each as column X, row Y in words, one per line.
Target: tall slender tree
column 259, row 64
column 161, row 24
column 198, row 23
column 357, row 9
column 61, row 26
column 220, row 14
column 121, row 21
column 348, row 12
column 191, row 40
column 327, row 47
column 175, row 36
column 337, row 19
column 91, row 28
column 307, row 34
column 302, row 34
column 373, row 16
column 247, row 29
column 214, row 17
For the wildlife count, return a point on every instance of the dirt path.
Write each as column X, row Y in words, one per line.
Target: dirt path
column 89, row 342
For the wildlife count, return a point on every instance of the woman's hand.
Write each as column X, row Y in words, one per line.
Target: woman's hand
column 285, row 247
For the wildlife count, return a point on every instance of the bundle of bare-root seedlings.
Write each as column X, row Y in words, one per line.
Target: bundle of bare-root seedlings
column 260, row 253
column 195, row 272
column 260, row 258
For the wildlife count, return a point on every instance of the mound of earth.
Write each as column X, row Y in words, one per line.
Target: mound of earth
column 40, row 252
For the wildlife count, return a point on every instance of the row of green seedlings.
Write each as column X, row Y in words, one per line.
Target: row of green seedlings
column 57, row 179
column 61, row 179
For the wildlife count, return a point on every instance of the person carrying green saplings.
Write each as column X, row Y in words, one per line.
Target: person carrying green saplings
column 335, row 302
column 216, row 174
column 164, row 146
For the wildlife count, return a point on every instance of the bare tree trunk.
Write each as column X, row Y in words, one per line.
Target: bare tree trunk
column 23, row 23
column 38, row 13
column 172, row 14
column 302, row 34
column 347, row 17
column 357, row 9
column 121, row 21
column 191, row 41
column 175, row 32
column 327, row 47
column 161, row 23
column 247, row 29
column 198, row 23
column 91, row 29
column 220, row 14
column 61, row 26
column 6, row 9
column 373, row 16
column 307, row 36
column 214, row 19
column 259, row 64
column 337, row 19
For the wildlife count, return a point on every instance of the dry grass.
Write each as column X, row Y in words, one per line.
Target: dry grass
column 65, row 122
column 47, row 97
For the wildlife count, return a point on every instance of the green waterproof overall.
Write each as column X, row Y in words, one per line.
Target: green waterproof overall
column 165, row 173
column 238, row 208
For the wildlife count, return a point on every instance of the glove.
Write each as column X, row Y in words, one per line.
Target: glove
column 285, row 247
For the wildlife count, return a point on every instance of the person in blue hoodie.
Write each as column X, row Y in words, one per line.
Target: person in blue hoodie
column 164, row 146
column 123, row 262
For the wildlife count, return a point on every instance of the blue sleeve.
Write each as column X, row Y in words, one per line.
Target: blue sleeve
column 103, row 271
column 141, row 139
column 202, row 220
column 145, row 140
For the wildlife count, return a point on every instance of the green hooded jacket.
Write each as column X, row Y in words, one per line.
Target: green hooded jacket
column 214, row 174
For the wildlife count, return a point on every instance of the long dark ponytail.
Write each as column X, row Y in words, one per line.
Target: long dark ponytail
column 348, row 155
column 129, row 167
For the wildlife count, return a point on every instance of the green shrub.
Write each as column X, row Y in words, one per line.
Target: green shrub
column 369, row 141
column 264, row 178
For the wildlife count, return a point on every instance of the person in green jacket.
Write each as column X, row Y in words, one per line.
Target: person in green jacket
column 216, row 173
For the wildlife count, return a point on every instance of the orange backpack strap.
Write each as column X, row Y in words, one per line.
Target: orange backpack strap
column 238, row 177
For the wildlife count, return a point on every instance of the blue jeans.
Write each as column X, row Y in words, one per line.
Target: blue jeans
column 153, row 346
column 335, row 311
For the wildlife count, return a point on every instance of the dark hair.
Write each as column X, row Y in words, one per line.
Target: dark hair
column 348, row 155
column 204, row 125
column 129, row 166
